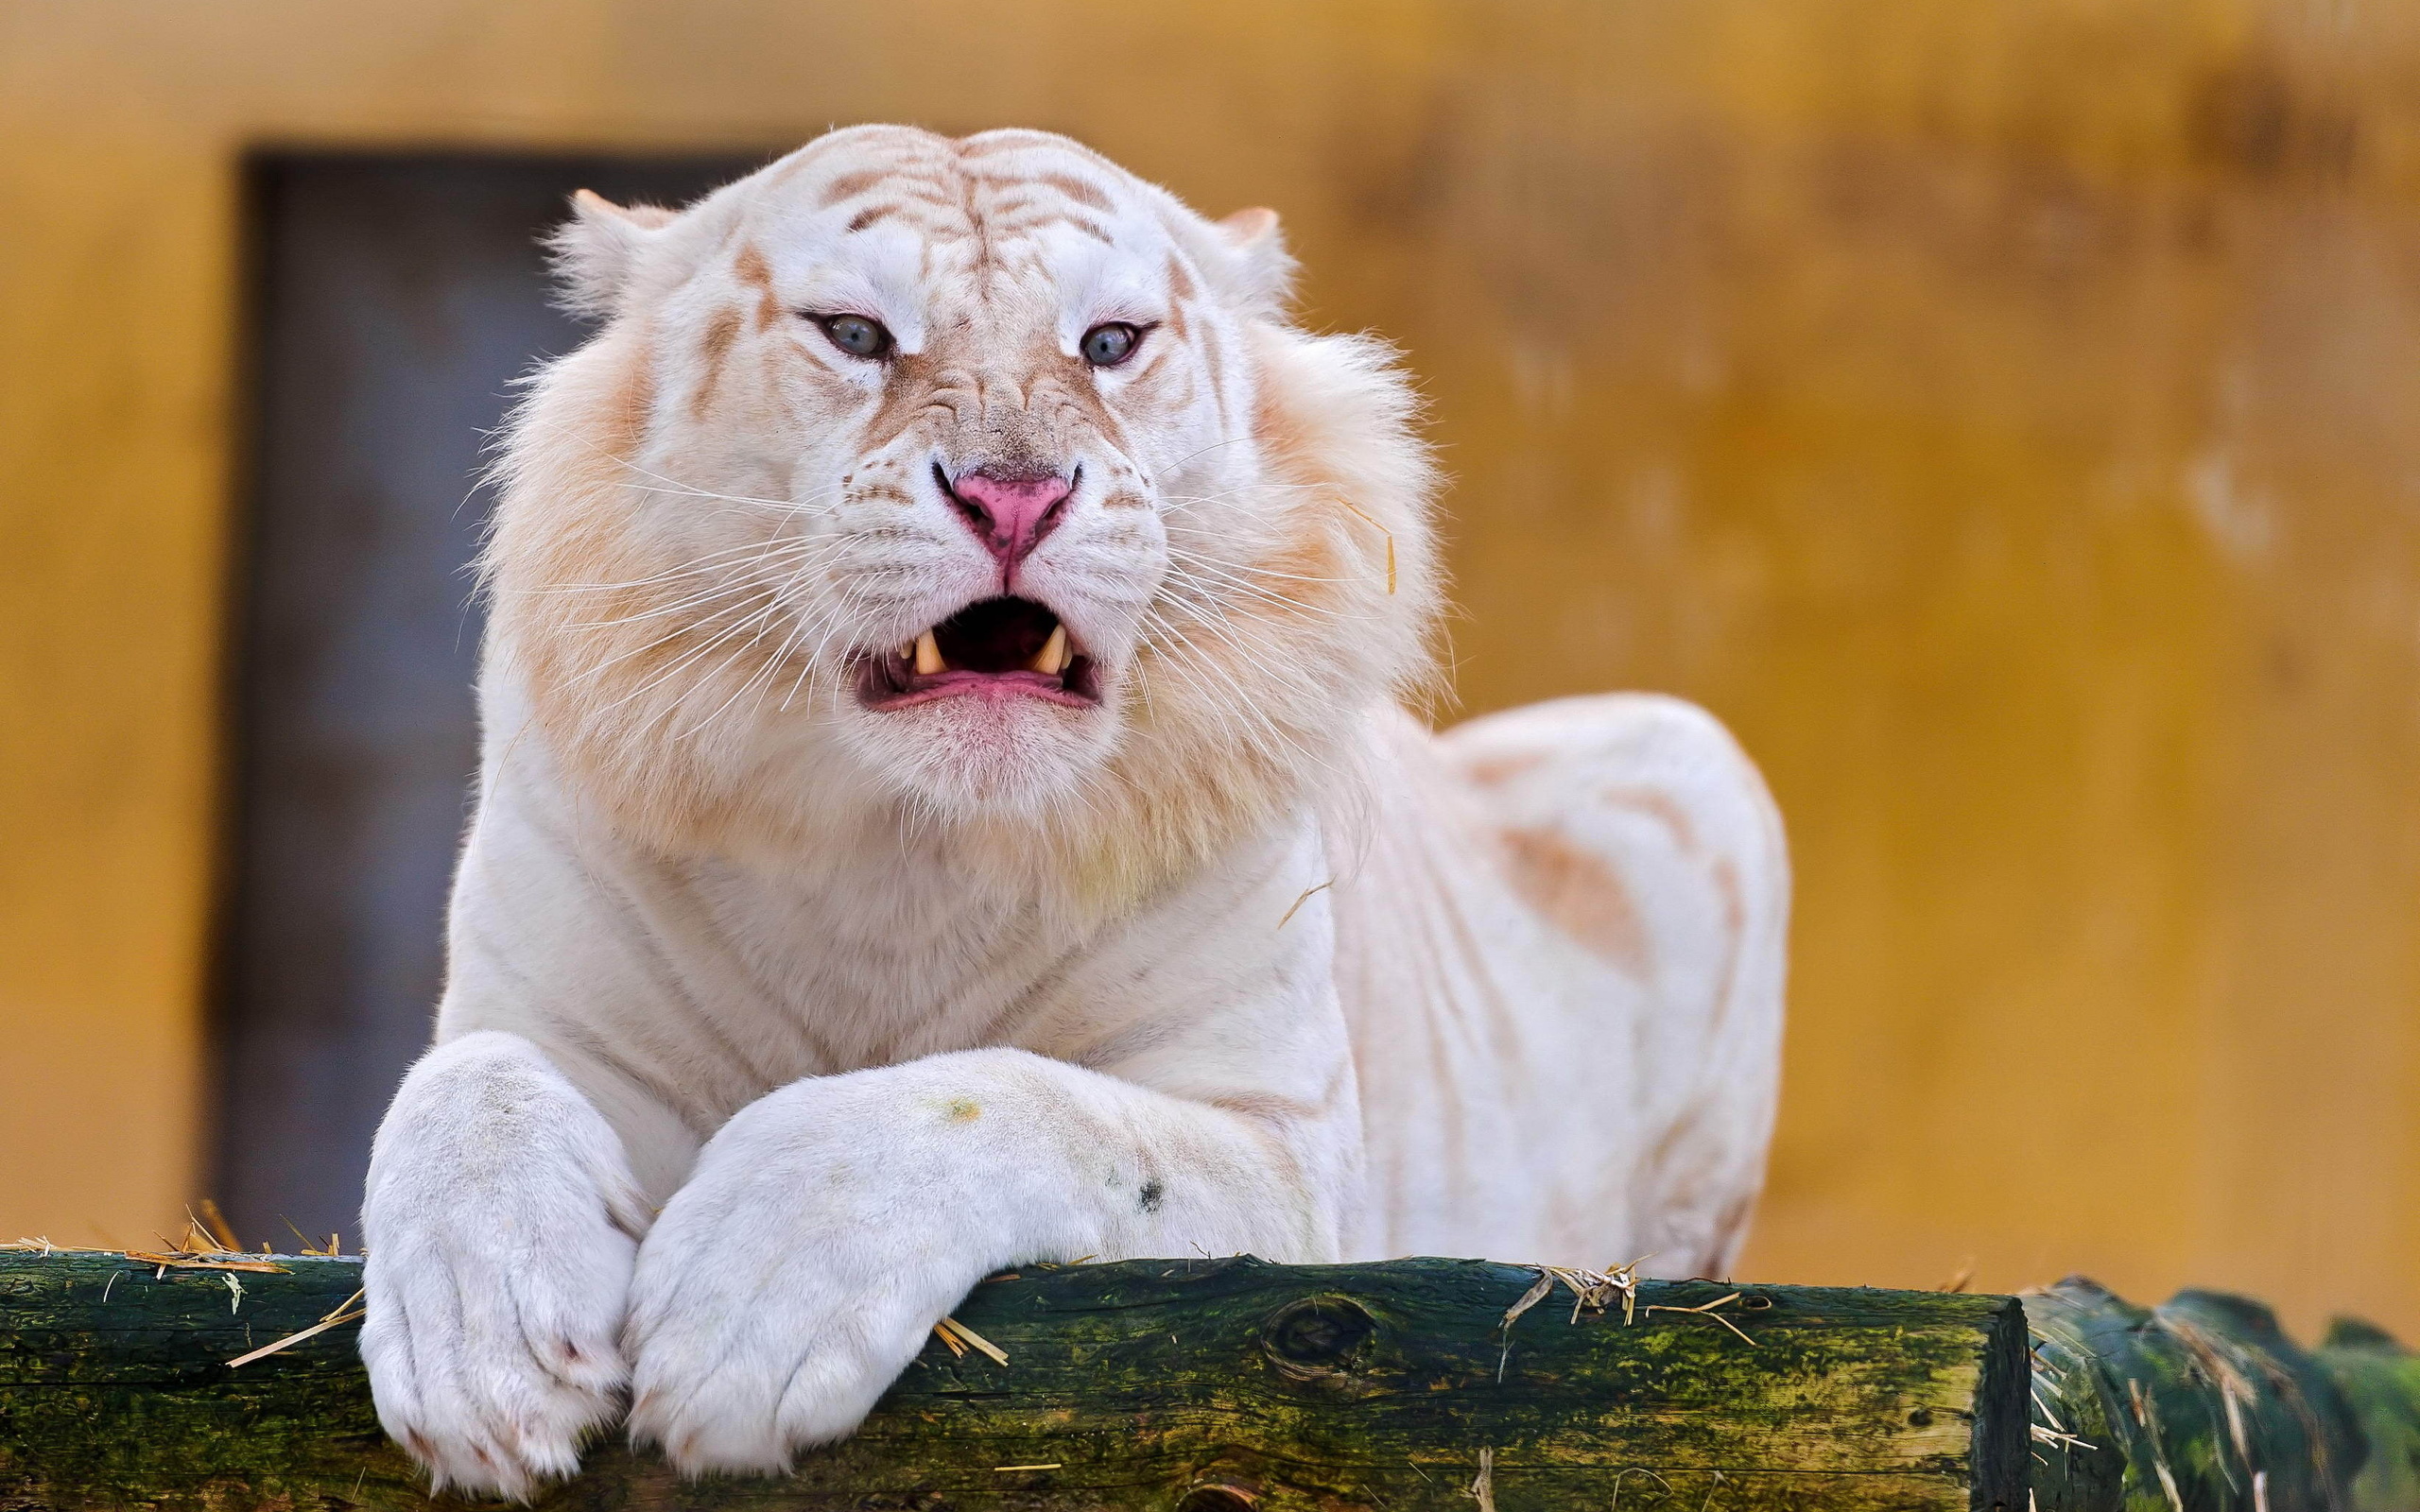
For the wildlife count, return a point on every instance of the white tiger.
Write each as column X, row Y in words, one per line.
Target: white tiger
column 945, row 804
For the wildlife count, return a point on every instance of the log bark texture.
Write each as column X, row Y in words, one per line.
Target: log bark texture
column 1203, row 1385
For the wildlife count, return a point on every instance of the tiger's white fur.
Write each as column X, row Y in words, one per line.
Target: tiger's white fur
column 774, row 1021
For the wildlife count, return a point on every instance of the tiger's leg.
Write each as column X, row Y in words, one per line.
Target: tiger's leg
column 1636, row 825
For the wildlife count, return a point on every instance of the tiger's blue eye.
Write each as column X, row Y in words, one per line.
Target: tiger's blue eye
column 857, row 335
column 1106, row 346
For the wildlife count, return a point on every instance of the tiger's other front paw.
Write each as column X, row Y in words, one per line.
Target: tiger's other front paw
column 500, row 1253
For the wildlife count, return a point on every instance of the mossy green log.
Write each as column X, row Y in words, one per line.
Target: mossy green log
column 1203, row 1385
column 2204, row 1405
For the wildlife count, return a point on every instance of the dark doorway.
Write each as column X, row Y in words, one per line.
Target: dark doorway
column 398, row 298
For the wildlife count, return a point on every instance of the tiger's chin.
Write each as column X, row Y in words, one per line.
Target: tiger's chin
column 989, row 755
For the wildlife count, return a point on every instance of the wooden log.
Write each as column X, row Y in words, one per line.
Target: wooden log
column 2203, row 1404
column 2380, row 1381
column 1201, row 1386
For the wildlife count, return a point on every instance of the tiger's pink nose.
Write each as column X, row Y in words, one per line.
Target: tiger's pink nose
column 1009, row 515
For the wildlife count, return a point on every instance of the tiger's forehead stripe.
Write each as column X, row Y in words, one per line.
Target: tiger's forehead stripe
column 1003, row 206
column 954, row 190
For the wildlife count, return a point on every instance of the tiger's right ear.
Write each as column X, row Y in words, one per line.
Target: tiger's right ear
column 1261, row 268
column 596, row 252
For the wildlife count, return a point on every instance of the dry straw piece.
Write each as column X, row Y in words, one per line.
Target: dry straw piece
column 209, row 1243
column 335, row 1316
column 1594, row 1290
column 1591, row 1290
column 1483, row 1488
column 960, row 1338
column 1708, row 1310
column 167, row 1259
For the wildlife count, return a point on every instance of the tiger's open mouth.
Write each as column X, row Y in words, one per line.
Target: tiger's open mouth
column 992, row 649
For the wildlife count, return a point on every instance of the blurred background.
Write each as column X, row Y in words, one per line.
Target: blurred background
column 2000, row 413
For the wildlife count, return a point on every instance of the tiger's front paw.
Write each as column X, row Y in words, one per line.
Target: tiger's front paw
column 785, row 1286
column 500, row 1226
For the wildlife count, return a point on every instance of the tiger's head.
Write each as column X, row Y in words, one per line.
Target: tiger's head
column 977, row 479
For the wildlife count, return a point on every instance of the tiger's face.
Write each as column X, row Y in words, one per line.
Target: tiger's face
column 957, row 469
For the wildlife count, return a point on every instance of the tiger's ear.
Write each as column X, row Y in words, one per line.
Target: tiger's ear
column 1260, row 269
column 596, row 252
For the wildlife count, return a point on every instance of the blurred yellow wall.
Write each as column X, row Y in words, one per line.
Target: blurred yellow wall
column 1999, row 412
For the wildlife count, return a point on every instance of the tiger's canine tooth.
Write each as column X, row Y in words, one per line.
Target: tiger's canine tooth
column 1053, row 657
column 928, row 656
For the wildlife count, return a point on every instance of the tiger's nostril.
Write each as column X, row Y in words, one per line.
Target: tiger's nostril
column 1009, row 514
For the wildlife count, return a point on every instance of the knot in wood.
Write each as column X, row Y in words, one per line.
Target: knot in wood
column 1219, row 1496
column 1319, row 1333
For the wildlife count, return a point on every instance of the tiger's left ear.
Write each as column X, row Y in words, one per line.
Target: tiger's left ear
column 596, row 252
column 1262, row 269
